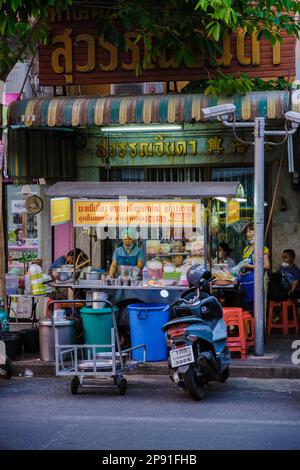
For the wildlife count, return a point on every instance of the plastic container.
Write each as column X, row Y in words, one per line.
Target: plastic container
column 155, row 269
column 13, row 345
column 97, row 324
column 4, row 318
column 66, row 335
column 36, row 280
column 12, row 282
column 145, row 276
column 146, row 321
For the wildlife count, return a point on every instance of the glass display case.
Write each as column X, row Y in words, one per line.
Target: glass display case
column 169, row 260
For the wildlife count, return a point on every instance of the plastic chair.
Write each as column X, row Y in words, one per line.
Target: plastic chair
column 284, row 323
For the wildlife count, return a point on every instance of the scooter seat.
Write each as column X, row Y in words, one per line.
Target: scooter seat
column 176, row 321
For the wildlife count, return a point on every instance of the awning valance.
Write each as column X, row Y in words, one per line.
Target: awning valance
column 145, row 190
column 144, row 109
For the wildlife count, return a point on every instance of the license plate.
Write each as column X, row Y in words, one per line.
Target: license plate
column 182, row 356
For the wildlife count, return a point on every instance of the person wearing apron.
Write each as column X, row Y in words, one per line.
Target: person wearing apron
column 127, row 254
column 247, row 272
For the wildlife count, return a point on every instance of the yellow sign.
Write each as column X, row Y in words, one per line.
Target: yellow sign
column 60, row 210
column 99, row 213
column 233, row 212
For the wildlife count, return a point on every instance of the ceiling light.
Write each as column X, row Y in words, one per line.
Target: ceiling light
column 145, row 128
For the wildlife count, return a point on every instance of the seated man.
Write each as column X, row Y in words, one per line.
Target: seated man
column 291, row 272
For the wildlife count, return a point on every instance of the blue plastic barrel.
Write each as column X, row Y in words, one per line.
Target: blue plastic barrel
column 247, row 285
column 146, row 321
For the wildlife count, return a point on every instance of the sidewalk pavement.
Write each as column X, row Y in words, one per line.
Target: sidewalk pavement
column 275, row 364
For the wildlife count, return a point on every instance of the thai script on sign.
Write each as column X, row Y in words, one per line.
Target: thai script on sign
column 98, row 213
column 80, row 49
column 146, row 149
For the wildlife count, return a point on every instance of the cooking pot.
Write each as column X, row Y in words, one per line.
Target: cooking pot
column 63, row 274
column 92, row 276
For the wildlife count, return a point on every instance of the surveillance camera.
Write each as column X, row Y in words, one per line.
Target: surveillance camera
column 293, row 117
column 221, row 110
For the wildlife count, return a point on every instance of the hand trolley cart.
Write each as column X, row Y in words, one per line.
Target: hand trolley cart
column 87, row 365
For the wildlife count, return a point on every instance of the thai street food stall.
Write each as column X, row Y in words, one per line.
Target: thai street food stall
column 171, row 222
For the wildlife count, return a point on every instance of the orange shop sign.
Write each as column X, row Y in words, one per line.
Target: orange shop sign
column 103, row 213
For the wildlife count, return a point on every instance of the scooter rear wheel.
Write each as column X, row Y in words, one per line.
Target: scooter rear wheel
column 192, row 384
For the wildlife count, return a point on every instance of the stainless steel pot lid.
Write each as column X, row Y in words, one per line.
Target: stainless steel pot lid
column 56, row 322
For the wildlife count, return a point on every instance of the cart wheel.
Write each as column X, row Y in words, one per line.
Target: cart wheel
column 74, row 385
column 122, row 386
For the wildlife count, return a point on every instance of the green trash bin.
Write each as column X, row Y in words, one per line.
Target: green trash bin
column 97, row 324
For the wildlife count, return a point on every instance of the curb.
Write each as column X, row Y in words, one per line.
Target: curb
column 280, row 371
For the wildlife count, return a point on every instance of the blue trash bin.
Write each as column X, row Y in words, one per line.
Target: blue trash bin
column 146, row 321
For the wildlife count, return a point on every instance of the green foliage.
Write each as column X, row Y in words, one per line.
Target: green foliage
column 22, row 27
column 228, row 85
column 26, row 259
column 189, row 29
column 12, row 236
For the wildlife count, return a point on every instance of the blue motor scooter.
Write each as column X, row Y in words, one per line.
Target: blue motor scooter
column 196, row 336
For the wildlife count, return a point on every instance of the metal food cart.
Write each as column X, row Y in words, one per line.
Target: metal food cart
column 116, row 361
column 89, row 367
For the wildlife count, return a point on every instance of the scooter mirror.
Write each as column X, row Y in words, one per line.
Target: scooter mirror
column 164, row 293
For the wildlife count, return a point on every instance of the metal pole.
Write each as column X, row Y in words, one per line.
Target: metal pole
column 259, row 133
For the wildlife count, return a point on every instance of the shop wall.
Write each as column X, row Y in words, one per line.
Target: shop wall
column 63, row 239
column 285, row 224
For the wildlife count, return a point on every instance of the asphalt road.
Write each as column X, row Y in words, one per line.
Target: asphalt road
column 38, row 413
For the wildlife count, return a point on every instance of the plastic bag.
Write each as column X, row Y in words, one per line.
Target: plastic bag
column 236, row 269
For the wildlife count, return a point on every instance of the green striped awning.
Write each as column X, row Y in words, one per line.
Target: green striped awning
column 73, row 111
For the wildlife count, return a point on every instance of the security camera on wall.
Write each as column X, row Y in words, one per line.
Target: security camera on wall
column 293, row 117
column 221, row 110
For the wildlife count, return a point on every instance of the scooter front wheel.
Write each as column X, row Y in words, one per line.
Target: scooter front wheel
column 192, row 384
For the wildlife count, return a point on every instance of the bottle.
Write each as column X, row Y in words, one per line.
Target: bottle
column 145, row 276
column 107, row 266
column 4, row 319
column 21, row 286
column 36, row 280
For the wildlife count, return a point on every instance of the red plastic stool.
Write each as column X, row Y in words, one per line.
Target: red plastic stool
column 234, row 317
column 284, row 323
